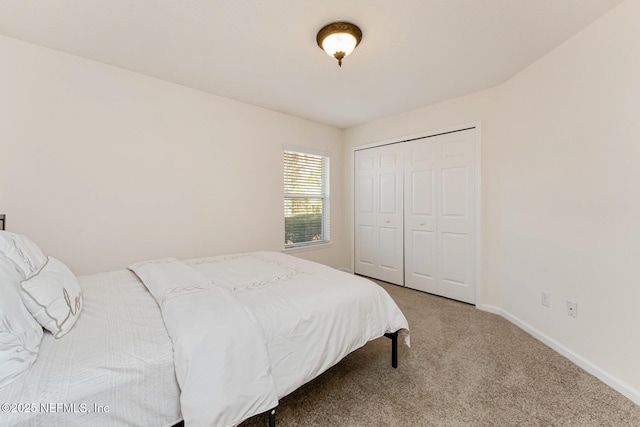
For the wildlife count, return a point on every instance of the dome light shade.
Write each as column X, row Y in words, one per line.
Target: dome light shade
column 339, row 39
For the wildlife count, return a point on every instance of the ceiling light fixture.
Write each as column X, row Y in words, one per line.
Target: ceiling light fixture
column 339, row 39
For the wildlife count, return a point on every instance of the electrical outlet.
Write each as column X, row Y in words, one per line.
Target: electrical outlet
column 572, row 309
column 546, row 299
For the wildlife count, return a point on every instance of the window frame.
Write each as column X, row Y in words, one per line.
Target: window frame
column 325, row 196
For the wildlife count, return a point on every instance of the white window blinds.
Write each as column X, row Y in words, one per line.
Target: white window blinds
column 306, row 198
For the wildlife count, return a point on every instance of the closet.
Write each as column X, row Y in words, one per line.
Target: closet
column 415, row 212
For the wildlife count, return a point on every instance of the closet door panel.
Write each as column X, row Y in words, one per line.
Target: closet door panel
column 390, row 224
column 456, row 215
column 455, row 196
column 421, row 258
column 453, row 265
column 366, row 190
column 366, row 244
column 378, row 214
column 389, row 194
column 388, row 249
column 419, row 213
column 456, row 272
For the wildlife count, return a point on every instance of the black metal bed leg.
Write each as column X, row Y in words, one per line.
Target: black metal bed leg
column 394, row 348
column 272, row 417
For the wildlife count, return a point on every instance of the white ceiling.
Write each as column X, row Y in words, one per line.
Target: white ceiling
column 264, row 52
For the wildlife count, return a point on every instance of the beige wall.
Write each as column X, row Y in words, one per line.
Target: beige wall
column 560, row 193
column 102, row 167
column 570, row 194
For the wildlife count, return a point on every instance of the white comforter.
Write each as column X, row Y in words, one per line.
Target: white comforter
column 250, row 328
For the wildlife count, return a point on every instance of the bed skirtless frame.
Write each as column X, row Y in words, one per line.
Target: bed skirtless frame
column 394, row 364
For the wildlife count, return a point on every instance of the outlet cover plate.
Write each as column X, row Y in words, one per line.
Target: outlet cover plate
column 545, row 299
column 572, row 309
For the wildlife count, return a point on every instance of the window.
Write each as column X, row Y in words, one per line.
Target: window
column 306, row 198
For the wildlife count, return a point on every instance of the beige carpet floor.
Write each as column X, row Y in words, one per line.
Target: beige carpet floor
column 465, row 367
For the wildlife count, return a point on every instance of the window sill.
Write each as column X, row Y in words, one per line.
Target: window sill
column 306, row 248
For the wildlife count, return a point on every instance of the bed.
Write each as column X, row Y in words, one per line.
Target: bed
column 122, row 362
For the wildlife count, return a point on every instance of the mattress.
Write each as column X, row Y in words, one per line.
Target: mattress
column 114, row 368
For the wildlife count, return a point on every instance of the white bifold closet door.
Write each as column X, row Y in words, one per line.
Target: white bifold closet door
column 415, row 214
column 440, row 215
column 379, row 214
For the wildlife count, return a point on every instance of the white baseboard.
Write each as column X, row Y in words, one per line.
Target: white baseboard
column 490, row 308
column 621, row 387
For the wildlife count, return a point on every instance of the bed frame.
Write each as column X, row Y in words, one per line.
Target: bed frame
column 394, row 364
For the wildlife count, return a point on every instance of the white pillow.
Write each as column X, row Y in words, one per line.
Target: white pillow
column 20, row 334
column 25, row 254
column 54, row 297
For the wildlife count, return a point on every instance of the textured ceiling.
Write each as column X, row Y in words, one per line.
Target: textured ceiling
column 413, row 52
